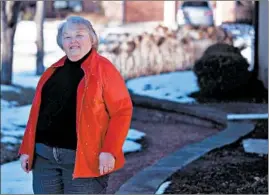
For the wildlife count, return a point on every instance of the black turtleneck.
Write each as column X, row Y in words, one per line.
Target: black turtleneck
column 56, row 124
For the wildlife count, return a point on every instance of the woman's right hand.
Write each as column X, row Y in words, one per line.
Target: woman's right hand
column 24, row 162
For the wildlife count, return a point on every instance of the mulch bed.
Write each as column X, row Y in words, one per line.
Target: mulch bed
column 226, row 170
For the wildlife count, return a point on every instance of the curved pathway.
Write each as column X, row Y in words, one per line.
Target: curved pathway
column 148, row 180
column 162, row 138
column 167, row 132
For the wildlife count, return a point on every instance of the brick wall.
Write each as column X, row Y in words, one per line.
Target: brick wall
column 88, row 6
column 49, row 9
column 140, row 11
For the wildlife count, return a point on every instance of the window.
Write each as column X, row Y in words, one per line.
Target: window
column 75, row 6
column 238, row 3
column 195, row 3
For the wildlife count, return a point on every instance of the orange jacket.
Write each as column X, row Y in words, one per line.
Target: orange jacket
column 104, row 111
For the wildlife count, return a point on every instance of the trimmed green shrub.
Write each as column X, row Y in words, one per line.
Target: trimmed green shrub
column 222, row 72
column 223, row 48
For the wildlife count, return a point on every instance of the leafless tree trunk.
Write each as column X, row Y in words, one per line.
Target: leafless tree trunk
column 9, row 17
column 39, row 20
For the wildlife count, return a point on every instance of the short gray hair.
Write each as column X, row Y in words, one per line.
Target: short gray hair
column 77, row 20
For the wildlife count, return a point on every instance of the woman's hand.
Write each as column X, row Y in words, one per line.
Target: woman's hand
column 24, row 162
column 106, row 162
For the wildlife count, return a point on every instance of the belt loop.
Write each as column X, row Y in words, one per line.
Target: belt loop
column 54, row 151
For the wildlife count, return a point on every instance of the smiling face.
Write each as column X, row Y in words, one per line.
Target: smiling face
column 76, row 41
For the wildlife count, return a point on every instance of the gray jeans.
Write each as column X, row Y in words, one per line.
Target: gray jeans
column 52, row 173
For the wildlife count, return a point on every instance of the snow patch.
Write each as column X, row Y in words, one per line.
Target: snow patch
column 135, row 135
column 5, row 88
column 163, row 187
column 247, row 116
column 258, row 146
column 131, row 146
column 174, row 86
column 14, row 180
column 10, row 140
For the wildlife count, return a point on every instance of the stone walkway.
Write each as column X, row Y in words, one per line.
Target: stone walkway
column 240, row 107
column 149, row 179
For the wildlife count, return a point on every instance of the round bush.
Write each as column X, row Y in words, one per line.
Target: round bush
column 221, row 74
column 223, row 48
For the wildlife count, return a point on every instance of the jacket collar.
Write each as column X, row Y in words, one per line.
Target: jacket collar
column 87, row 64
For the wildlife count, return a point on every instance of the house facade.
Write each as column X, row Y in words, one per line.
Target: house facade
column 134, row 11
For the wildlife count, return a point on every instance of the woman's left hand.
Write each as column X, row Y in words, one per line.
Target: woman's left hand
column 106, row 162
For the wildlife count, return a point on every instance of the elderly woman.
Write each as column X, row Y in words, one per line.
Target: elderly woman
column 79, row 118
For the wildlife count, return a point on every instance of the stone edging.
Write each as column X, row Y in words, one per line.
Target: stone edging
column 148, row 180
column 202, row 112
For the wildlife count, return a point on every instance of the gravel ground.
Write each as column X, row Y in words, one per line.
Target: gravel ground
column 226, row 170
